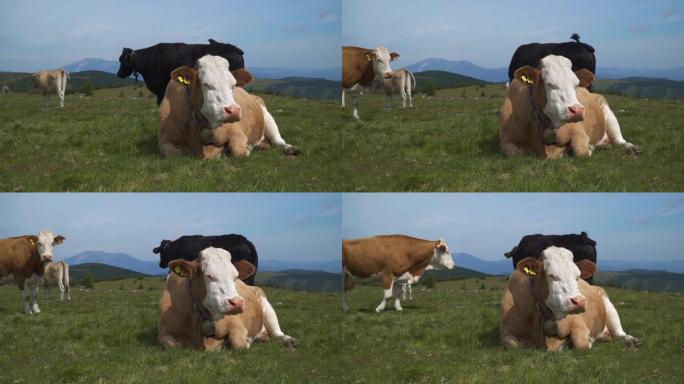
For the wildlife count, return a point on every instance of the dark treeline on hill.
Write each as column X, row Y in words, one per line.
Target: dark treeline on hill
column 443, row 79
column 300, row 280
column 299, row 87
column 654, row 281
column 643, row 88
column 99, row 272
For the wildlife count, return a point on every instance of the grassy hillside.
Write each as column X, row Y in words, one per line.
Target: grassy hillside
column 312, row 281
column 109, row 335
column 643, row 88
column 451, row 143
column 299, row 87
column 443, row 79
column 450, row 335
column 109, row 143
column 655, row 281
column 21, row 82
column 77, row 273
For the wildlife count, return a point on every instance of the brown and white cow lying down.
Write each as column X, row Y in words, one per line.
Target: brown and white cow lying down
column 57, row 275
column 49, row 82
column 546, row 305
column 25, row 257
column 549, row 112
column 393, row 258
column 206, row 112
column 360, row 66
column 401, row 83
column 205, row 305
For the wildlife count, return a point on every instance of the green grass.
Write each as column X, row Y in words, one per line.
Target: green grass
column 109, row 335
column 107, row 143
column 450, row 335
column 451, row 143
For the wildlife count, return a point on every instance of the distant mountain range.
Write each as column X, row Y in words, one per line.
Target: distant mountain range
column 112, row 66
column 120, row 260
column 500, row 75
column 332, row 266
column 656, row 281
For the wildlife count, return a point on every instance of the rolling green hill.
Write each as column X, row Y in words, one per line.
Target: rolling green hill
column 21, row 82
column 643, row 88
column 299, row 87
column 99, row 272
column 654, row 281
column 312, row 281
column 443, row 79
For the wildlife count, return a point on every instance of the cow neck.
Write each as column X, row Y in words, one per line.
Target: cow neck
column 541, row 308
column 201, row 311
column 135, row 72
column 545, row 124
column 197, row 115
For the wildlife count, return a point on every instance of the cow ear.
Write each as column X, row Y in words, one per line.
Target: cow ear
column 242, row 76
column 587, row 268
column 585, row 77
column 394, row 56
column 58, row 240
column 184, row 75
column 370, row 56
column 530, row 266
column 183, row 268
column 245, row 269
column 527, row 75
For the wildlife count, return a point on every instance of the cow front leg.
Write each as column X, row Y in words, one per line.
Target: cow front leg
column 396, row 289
column 34, row 299
column 580, row 337
column 273, row 326
column 61, row 291
column 25, row 298
column 388, row 283
column 343, row 97
column 232, row 136
column 615, row 326
column 273, row 134
column 403, row 98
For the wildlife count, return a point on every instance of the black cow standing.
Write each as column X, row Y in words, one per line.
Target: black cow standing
column 156, row 63
column 580, row 54
column 581, row 246
column 189, row 247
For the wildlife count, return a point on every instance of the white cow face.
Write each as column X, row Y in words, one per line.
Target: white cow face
column 561, row 291
column 213, row 86
column 560, row 88
column 214, row 272
column 381, row 58
column 441, row 259
column 46, row 241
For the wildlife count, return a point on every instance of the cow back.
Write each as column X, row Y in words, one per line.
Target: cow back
column 356, row 68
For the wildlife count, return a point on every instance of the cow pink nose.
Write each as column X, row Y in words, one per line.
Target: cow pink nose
column 233, row 110
column 579, row 301
column 237, row 302
column 576, row 109
column 388, row 75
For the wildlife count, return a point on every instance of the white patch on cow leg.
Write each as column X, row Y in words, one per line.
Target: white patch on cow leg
column 615, row 134
column 356, row 91
column 61, row 290
column 343, row 96
column 410, row 290
column 615, row 326
column 397, row 288
column 273, row 134
column 34, row 298
column 272, row 325
column 388, row 293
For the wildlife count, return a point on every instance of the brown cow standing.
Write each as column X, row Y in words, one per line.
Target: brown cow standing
column 391, row 257
column 49, row 82
column 360, row 66
column 25, row 257
column 546, row 114
column 204, row 112
column 546, row 305
column 206, row 305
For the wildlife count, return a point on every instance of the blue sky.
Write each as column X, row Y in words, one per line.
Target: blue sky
column 39, row 34
column 294, row 227
column 625, row 33
column 626, row 226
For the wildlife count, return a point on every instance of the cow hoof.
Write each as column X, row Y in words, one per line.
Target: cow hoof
column 632, row 342
column 378, row 310
column 290, row 342
column 632, row 150
column 291, row 150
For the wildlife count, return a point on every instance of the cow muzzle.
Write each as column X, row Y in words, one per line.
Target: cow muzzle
column 578, row 304
column 575, row 113
column 233, row 113
column 236, row 305
column 46, row 258
column 388, row 75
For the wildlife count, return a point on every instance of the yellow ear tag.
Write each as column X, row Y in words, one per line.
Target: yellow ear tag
column 179, row 271
column 530, row 272
column 31, row 241
column 183, row 80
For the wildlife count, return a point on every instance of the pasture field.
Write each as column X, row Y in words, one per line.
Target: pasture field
column 108, row 335
column 109, row 143
column 451, row 335
column 451, row 143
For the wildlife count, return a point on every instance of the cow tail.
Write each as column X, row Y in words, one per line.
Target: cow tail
column 65, row 278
